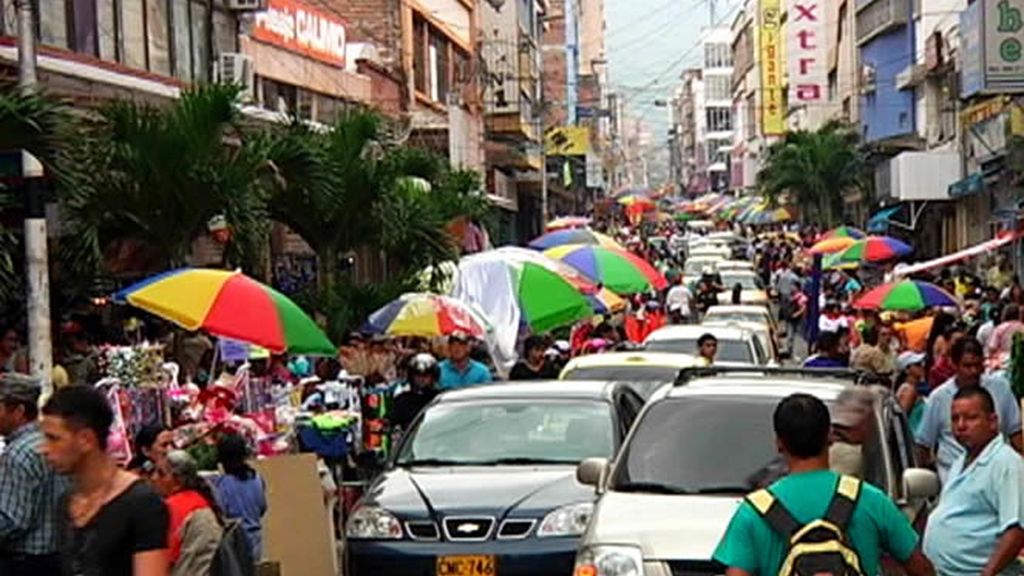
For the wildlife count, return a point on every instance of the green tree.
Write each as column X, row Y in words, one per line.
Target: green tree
column 158, row 175
column 815, row 168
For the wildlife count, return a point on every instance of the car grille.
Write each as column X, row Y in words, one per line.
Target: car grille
column 422, row 530
column 695, row 568
column 468, row 528
column 515, row 529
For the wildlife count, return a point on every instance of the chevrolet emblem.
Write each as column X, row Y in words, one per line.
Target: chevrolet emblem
column 467, row 528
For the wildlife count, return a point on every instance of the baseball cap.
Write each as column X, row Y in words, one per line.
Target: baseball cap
column 459, row 336
column 852, row 407
column 908, row 359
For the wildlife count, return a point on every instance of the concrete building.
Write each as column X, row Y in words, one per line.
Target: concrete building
column 717, row 109
column 510, row 57
column 692, row 161
column 748, row 136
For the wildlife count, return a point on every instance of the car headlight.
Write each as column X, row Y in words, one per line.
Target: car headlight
column 372, row 523
column 609, row 561
column 568, row 520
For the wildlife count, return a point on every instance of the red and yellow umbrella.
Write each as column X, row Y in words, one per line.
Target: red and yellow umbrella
column 229, row 304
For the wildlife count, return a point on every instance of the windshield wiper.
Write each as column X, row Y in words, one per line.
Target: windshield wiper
column 652, row 487
column 518, row 460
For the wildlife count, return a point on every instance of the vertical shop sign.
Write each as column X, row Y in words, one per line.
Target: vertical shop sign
column 770, row 34
column 806, row 53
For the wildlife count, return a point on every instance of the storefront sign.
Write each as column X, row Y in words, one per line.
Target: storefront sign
column 567, row 141
column 992, row 45
column 299, row 28
column 772, row 112
column 806, row 52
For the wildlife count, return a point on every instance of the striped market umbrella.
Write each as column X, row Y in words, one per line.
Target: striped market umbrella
column 618, row 270
column 427, row 315
column 567, row 222
column 573, row 236
column 832, row 245
column 906, row 295
column 229, row 304
column 874, row 249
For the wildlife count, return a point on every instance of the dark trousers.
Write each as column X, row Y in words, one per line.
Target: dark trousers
column 30, row 565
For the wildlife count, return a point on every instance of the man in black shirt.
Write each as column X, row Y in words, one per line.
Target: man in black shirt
column 111, row 522
column 422, row 374
column 534, row 365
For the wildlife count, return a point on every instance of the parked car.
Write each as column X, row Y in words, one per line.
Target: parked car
column 484, row 482
column 760, row 331
column 667, row 499
column 735, row 345
column 752, row 290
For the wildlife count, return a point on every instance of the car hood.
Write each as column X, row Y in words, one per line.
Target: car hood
column 664, row 527
column 498, row 491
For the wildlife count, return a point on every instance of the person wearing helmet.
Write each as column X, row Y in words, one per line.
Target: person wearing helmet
column 422, row 374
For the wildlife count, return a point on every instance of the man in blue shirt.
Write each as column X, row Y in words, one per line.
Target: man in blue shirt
column 935, row 433
column 977, row 527
column 459, row 370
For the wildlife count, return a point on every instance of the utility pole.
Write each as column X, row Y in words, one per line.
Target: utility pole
column 37, row 269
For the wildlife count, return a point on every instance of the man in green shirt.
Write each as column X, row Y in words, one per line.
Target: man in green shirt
column 802, row 431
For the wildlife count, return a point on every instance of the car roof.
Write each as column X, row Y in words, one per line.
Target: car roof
column 730, row 308
column 637, row 357
column 741, row 324
column 688, row 331
column 532, row 390
column 738, row 272
column 761, row 384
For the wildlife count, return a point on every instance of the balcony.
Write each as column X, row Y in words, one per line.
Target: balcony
column 876, row 17
column 512, row 124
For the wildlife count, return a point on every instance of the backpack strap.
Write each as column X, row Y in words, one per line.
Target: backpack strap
column 840, row 510
column 772, row 510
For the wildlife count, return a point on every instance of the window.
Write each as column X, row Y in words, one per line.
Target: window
column 719, row 119
column 842, row 24
column 833, row 85
column 718, row 87
column 438, row 65
column 440, row 81
column 719, row 150
column 419, row 54
column 158, row 26
column 108, row 30
column 751, row 111
column 717, row 55
column 200, row 42
column 182, row 34
column 134, row 29
column 82, row 22
column 52, row 23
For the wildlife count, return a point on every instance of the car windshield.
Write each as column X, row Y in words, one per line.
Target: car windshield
column 728, row 350
column 676, row 447
column 748, row 281
column 624, row 373
column 735, row 316
column 536, row 431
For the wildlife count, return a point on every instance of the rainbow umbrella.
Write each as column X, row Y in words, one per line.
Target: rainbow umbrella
column 620, row 271
column 522, row 287
column 843, row 232
column 568, row 222
column 229, row 304
column 832, row 246
column 906, row 295
column 427, row 315
column 573, row 236
column 606, row 302
column 874, row 249
column 642, row 202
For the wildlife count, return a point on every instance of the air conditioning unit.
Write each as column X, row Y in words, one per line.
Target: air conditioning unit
column 238, row 69
column 247, row 5
column 868, row 77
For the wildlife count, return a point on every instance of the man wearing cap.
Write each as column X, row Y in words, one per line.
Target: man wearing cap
column 912, row 386
column 30, row 491
column 851, row 428
column 459, row 370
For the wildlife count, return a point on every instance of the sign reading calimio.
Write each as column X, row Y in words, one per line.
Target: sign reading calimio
column 806, row 53
column 299, row 28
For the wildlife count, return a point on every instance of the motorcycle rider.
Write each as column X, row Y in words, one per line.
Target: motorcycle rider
column 422, row 375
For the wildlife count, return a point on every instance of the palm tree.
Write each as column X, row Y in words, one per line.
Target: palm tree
column 158, row 175
column 815, row 168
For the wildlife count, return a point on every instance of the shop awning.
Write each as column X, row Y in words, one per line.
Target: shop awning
column 880, row 220
column 1003, row 239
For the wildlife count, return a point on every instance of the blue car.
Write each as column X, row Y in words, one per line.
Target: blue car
column 484, row 483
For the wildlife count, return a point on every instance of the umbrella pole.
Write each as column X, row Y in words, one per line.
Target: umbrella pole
column 213, row 363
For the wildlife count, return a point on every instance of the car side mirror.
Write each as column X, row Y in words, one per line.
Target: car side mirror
column 920, row 483
column 591, row 472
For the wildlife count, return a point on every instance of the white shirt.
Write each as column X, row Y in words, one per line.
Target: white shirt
column 678, row 298
column 826, row 324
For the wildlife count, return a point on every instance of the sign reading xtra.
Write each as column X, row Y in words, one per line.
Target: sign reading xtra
column 770, row 44
column 298, row 28
column 806, row 53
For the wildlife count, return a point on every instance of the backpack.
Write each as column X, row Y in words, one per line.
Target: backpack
column 233, row 557
column 819, row 547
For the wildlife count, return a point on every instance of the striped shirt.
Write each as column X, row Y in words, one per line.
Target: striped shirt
column 30, row 494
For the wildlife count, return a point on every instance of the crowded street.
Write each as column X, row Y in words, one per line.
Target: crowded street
column 532, row 288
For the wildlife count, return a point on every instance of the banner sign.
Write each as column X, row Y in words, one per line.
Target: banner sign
column 567, row 141
column 770, row 45
column 806, row 53
column 301, row 29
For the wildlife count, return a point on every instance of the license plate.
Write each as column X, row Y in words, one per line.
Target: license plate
column 466, row 566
